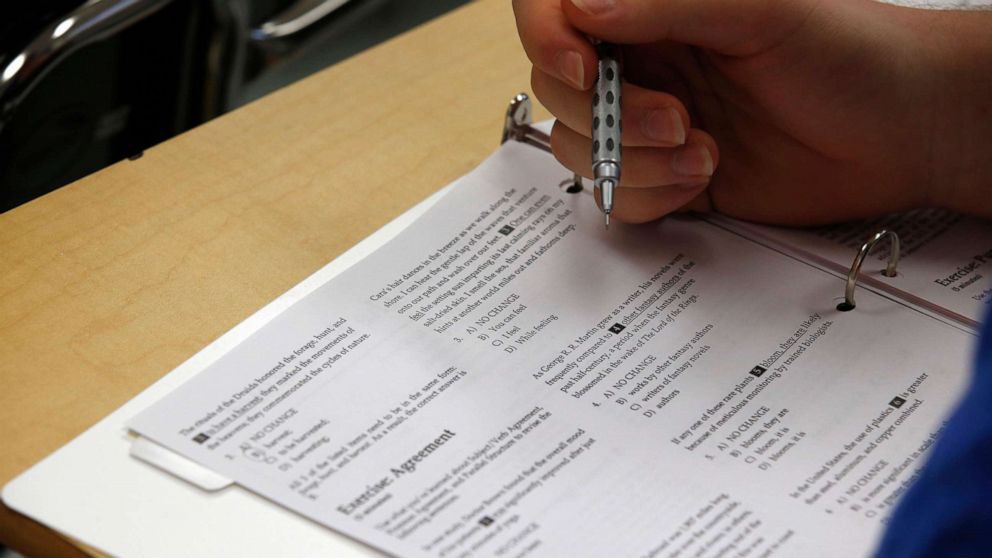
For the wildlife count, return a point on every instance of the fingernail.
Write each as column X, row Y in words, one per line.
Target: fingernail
column 693, row 160
column 664, row 125
column 594, row 7
column 569, row 65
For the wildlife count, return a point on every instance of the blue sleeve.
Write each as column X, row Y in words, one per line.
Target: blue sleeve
column 948, row 511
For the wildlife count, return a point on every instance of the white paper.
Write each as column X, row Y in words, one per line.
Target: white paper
column 526, row 426
column 945, row 259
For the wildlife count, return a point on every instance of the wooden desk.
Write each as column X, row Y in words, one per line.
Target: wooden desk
column 109, row 283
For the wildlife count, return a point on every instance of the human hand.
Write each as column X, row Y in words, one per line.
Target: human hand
column 780, row 111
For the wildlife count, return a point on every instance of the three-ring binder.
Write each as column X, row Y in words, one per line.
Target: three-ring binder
column 859, row 260
column 519, row 118
column 518, row 127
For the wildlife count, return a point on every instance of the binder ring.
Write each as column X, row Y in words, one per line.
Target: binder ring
column 518, row 124
column 859, row 260
column 517, row 127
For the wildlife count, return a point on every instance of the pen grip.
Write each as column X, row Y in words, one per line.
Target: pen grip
column 606, row 108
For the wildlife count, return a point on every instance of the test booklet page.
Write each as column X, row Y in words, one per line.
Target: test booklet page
column 507, row 378
column 945, row 259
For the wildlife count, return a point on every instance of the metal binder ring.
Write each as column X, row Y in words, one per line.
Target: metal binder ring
column 518, row 124
column 519, row 117
column 859, row 260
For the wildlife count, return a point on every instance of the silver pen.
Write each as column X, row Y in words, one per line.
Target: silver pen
column 606, row 126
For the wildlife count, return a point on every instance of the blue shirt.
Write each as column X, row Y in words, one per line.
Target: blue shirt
column 948, row 511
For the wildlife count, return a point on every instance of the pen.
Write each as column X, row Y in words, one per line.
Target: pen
column 606, row 126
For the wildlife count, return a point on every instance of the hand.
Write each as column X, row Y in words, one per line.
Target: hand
column 780, row 111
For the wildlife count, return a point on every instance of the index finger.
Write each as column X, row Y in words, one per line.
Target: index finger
column 552, row 44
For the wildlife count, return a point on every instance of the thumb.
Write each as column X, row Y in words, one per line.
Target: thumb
column 731, row 27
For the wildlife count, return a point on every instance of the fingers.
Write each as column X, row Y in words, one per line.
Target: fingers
column 655, row 180
column 643, row 205
column 553, row 44
column 650, row 118
column 731, row 27
column 643, row 167
column 554, row 32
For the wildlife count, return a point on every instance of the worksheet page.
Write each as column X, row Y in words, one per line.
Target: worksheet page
column 507, row 378
column 945, row 258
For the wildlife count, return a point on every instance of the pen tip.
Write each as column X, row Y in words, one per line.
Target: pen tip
column 607, row 221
